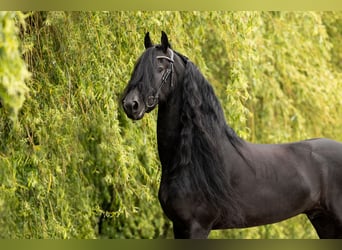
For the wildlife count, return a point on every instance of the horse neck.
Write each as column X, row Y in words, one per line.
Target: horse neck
column 170, row 127
column 168, row 133
column 168, row 124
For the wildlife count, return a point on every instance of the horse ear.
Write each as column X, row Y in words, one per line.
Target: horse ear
column 147, row 41
column 165, row 42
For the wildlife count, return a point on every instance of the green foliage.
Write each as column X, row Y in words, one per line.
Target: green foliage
column 13, row 72
column 75, row 166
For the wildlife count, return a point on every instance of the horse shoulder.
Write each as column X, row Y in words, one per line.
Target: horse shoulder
column 183, row 206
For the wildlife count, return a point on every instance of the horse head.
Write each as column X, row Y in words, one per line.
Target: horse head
column 152, row 80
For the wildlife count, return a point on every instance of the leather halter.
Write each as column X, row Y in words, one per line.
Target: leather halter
column 153, row 100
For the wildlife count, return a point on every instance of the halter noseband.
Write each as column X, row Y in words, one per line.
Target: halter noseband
column 153, row 100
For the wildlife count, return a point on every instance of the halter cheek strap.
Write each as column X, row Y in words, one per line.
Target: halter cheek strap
column 153, row 100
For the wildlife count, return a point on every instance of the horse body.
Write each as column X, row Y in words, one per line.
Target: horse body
column 211, row 178
column 286, row 182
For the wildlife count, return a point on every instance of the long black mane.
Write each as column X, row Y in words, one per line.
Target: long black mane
column 202, row 117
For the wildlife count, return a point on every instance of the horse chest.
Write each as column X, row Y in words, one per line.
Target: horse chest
column 174, row 191
column 167, row 198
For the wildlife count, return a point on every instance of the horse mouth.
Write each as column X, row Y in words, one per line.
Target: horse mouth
column 136, row 115
column 140, row 115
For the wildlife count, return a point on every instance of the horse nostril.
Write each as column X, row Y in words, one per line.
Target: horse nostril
column 135, row 106
column 131, row 106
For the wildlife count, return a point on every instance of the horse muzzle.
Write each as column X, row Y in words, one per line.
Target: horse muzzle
column 133, row 106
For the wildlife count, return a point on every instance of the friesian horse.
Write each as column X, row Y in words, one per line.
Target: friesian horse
column 213, row 179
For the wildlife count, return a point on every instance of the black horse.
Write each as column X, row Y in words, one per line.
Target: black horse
column 213, row 179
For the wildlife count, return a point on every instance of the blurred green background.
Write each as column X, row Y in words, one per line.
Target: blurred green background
column 72, row 165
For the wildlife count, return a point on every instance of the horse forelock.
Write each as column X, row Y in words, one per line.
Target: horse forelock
column 142, row 76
